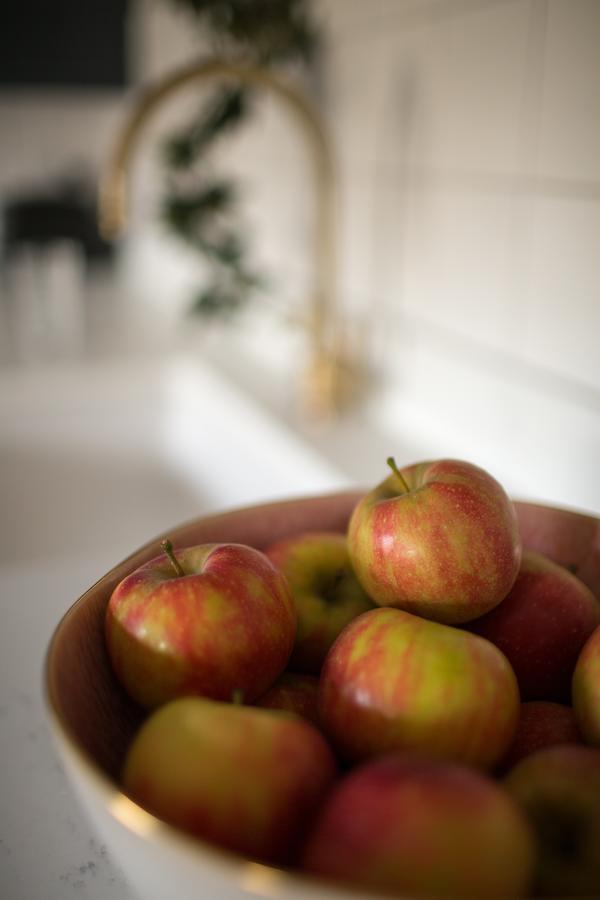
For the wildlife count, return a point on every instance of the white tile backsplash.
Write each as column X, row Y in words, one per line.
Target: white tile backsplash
column 453, row 270
column 562, row 321
column 443, row 92
column 470, row 139
column 461, row 83
column 570, row 114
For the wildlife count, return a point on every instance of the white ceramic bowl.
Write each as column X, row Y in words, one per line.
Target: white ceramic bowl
column 93, row 721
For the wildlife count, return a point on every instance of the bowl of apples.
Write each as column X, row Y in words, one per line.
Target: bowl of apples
column 385, row 692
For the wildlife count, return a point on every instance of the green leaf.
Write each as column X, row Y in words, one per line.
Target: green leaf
column 226, row 110
column 214, row 301
column 187, row 215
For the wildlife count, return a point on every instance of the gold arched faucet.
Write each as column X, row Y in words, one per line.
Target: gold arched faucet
column 326, row 378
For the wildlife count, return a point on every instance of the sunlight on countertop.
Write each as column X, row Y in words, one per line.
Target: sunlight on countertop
column 106, row 454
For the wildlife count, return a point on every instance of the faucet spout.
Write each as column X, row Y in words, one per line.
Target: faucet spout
column 323, row 318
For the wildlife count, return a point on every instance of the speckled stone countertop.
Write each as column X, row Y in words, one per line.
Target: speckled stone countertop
column 48, row 849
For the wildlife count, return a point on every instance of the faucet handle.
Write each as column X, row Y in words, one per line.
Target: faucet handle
column 112, row 205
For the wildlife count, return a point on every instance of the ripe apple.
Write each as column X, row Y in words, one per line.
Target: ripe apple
column 439, row 539
column 325, row 589
column 586, row 689
column 559, row 790
column 396, row 682
column 294, row 692
column 541, row 627
column 541, row 724
column 422, row 828
column 244, row 778
column 207, row 620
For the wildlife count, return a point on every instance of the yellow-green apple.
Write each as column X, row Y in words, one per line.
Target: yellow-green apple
column 325, row 589
column 397, row 682
column 586, row 689
column 542, row 723
column 541, row 627
column 244, row 778
column 206, row 620
column 294, row 692
column 558, row 788
column 422, row 828
column 439, row 539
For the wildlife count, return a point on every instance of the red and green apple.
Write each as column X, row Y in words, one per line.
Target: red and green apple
column 438, row 539
column 244, row 778
column 205, row 620
column 325, row 589
column 394, row 681
column 586, row 689
column 558, row 788
column 541, row 627
column 294, row 692
column 541, row 724
column 419, row 828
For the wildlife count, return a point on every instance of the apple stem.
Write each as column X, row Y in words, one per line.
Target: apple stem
column 168, row 548
column 392, row 464
column 237, row 697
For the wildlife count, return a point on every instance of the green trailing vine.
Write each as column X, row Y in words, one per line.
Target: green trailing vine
column 200, row 208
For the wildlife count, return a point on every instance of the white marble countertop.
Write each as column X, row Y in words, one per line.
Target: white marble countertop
column 48, row 849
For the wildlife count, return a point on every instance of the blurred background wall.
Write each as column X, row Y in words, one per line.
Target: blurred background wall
column 467, row 140
column 469, row 137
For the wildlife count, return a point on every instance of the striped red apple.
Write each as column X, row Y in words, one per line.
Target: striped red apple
column 419, row 828
column 294, row 692
column 394, row 681
column 586, row 689
column 439, row 539
column 542, row 723
column 325, row 589
column 558, row 789
column 541, row 627
column 207, row 620
column 247, row 779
